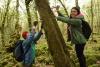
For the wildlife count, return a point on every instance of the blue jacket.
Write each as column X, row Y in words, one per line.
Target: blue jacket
column 29, row 47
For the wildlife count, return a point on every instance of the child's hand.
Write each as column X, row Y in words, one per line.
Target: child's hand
column 33, row 30
column 55, row 12
column 42, row 25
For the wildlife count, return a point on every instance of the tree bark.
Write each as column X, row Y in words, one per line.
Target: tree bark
column 16, row 35
column 76, row 2
column 27, row 2
column 3, row 23
column 92, row 18
column 54, row 37
column 17, row 14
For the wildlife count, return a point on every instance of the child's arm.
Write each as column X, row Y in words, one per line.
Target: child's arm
column 37, row 36
column 75, row 22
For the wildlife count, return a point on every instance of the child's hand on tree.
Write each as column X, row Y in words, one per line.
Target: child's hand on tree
column 55, row 11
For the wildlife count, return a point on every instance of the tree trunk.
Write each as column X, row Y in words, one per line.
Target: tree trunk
column 15, row 36
column 98, row 4
column 3, row 23
column 17, row 31
column 28, row 13
column 76, row 2
column 92, row 17
column 54, row 37
column 17, row 15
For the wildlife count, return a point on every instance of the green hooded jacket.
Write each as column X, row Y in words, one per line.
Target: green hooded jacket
column 75, row 28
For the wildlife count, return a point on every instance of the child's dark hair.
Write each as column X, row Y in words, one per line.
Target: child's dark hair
column 77, row 8
column 35, row 23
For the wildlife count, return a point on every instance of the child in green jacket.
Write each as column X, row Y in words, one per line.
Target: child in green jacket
column 75, row 29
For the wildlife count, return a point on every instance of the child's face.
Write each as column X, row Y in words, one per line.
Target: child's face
column 74, row 13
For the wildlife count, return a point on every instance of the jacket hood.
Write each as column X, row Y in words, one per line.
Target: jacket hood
column 80, row 16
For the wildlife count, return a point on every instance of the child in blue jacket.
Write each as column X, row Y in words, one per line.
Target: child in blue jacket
column 29, row 46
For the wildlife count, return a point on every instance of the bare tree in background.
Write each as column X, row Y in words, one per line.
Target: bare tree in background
column 16, row 34
column 97, row 4
column 3, row 23
column 92, row 17
column 27, row 2
column 64, row 7
column 76, row 2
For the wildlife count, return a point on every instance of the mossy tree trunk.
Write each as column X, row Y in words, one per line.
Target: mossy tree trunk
column 54, row 37
column 15, row 36
column 3, row 23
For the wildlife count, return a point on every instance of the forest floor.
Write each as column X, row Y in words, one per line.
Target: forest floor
column 92, row 53
column 44, row 59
